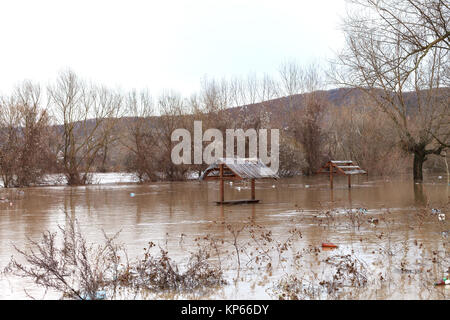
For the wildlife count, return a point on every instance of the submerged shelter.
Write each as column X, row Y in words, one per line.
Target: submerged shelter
column 344, row 167
column 238, row 169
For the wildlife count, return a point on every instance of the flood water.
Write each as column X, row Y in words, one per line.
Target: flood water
column 162, row 212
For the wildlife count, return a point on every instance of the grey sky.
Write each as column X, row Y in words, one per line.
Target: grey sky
column 160, row 45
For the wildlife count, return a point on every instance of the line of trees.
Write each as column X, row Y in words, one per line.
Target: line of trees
column 77, row 128
column 394, row 74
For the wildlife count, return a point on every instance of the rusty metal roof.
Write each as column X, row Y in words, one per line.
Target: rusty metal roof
column 342, row 166
column 245, row 168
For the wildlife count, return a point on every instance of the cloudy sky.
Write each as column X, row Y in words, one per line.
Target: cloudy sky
column 159, row 45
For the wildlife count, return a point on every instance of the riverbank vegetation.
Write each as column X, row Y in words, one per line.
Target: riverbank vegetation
column 98, row 130
column 389, row 110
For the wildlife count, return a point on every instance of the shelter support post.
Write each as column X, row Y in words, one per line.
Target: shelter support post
column 331, row 177
column 221, row 183
column 253, row 189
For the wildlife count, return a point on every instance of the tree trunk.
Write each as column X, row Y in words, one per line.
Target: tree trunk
column 419, row 159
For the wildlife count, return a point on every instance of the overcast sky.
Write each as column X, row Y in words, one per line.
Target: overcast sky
column 159, row 45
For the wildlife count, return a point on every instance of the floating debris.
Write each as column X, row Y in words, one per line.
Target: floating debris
column 99, row 295
column 440, row 177
column 328, row 245
column 435, row 211
column 373, row 220
column 306, row 185
column 362, row 210
column 441, row 217
column 443, row 282
column 4, row 200
column 132, row 194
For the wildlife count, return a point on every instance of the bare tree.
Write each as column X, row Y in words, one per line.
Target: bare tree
column 306, row 114
column 360, row 131
column 140, row 138
column 291, row 75
column 308, row 131
column 10, row 119
column 400, row 47
column 88, row 115
column 172, row 109
column 26, row 153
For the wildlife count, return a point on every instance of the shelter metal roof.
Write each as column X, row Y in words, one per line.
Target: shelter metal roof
column 347, row 167
column 241, row 168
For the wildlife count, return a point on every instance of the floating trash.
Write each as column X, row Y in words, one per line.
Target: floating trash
column 443, row 282
column 99, row 295
column 440, row 177
column 307, row 186
column 373, row 220
column 435, row 211
column 132, row 194
column 328, row 245
column 273, row 186
column 362, row 210
column 441, row 216
column 238, row 188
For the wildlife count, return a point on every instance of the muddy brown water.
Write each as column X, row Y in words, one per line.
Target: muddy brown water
column 161, row 212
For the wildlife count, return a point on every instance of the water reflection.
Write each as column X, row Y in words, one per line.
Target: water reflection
column 420, row 196
column 163, row 211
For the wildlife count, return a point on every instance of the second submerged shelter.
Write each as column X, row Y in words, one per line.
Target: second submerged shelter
column 344, row 167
